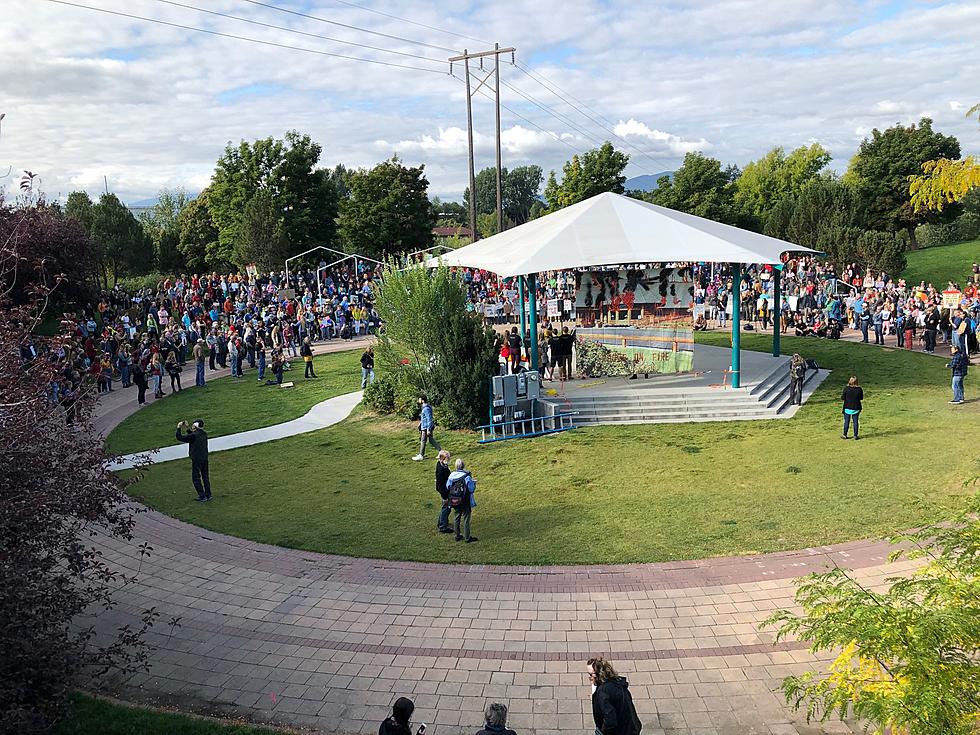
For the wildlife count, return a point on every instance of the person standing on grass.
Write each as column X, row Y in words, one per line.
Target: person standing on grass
column 960, row 364
column 852, row 396
column 462, row 499
column 442, row 487
column 306, row 352
column 260, row 356
column 612, row 704
column 278, row 365
column 367, row 367
column 199, row 349
column 426, row 425
column 197, row 449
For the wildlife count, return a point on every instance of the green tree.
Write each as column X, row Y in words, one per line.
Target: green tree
column 700, row 187
column 596, row 171
column 881, row 169
column 907, row 658
column 519, row 192
column 431, row 344
column 262, row 239
column 882, row 251
column 123, row 245
column 388, row 210
column 162, row 225
column 823, row 203
column 777, row 176
column 198, row 237
column 286, row 169
column 339, row 178
column 943, row 181
column 79, row 206
column 450, row 214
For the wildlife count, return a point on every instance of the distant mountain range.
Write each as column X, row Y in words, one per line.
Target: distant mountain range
column 646, row 182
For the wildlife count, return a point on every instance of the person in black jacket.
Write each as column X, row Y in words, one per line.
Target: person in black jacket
column 442, row 487
column 197, row 448
column 852, row 396
column 401, row 716
column 515, row 344
column 612, row 703
column 567, row 342
column 496, row 720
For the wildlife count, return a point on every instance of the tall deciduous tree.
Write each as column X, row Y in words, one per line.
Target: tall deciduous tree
column 596, row 171
column 123, row 245
column 700, row 187
column 286, row 169
column 388, row 210
column 881, row 169
column 519, row 190
column 162, row 224
column 777, row 176
column 198, row 241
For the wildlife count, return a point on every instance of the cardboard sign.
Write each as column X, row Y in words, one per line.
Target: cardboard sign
column 568, row 305
column 553, row 308
column 951, row 299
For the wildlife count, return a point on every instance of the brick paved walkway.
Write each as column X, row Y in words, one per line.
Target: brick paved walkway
column 328, row 642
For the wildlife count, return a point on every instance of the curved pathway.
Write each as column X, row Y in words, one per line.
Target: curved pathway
column 325, row 413
column 328, row 642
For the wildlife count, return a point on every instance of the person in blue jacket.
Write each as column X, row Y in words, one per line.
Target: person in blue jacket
column 426, row 425
column 462, row 492
column 960, row 364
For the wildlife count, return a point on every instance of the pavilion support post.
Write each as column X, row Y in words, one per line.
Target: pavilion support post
column 777, row 301
column 521, row 304
column 736, row 325
column 532, row 297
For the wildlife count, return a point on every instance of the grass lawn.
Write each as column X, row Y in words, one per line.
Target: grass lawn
column 229, row 406
column 613, row 493
column 91, row 716
column 942, row 264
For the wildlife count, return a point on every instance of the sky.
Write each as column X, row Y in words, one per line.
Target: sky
column 91, row 98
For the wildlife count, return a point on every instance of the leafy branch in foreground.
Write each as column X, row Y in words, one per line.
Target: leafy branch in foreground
column 908, row 656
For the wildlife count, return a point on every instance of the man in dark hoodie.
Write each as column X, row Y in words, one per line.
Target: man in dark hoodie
column 197, row 448
column 401, row 716
column 612, row 704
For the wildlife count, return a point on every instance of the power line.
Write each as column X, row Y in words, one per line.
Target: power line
column 244, row 38
column 608, row 127
column 349, row 27
column 411, row 22
column 519, row 115
column 550, row 111
column 299, row 32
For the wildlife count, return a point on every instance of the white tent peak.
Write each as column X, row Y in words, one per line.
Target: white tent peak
column 612, row 229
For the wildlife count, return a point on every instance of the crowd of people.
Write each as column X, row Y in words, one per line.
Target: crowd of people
column 252, row 320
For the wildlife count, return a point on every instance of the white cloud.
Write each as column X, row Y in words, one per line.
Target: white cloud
column 664, row 142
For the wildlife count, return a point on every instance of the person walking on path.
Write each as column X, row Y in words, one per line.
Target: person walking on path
column 197, row 449
column 306, row 352
column 367, row 367
column 173, row 370
column 462, row 499
column 852, row 396
column 612, row 704
column 797, row 373
column 442, row 487
column 496, row 720
column 426, row 425
column 960, row 364
column 199, row 349
column 139, row 377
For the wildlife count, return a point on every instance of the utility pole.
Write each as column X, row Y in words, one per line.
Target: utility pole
column 470, row 91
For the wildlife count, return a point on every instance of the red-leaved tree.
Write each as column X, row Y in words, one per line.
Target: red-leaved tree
column 56, row 494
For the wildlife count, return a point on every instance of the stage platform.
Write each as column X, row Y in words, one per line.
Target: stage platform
column 703, row 395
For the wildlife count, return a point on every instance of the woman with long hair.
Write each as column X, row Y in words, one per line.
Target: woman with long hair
column 612, row 703
column 852, row 396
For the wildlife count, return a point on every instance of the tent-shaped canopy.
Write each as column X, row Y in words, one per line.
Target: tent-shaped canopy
column 612, row 229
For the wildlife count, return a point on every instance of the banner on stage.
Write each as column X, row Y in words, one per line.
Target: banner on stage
column 605, row 289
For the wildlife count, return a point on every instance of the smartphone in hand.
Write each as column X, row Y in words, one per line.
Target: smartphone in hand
column 421, row 729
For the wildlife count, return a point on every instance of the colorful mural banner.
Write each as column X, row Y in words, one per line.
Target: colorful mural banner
column 603, row 289
column 666, row 348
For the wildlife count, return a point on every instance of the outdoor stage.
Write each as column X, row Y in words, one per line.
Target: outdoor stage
column 703, row 395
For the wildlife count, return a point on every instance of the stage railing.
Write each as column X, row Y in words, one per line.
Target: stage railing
column 529, row 427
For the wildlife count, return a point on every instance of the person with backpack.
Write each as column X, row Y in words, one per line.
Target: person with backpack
column 612, row 703
column 462, row 499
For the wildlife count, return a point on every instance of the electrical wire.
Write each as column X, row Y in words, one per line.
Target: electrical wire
column 244, row 38
column 550, row 111
column 411, row 22
column 299, row 32
column 608, row 127
column 349, row 27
